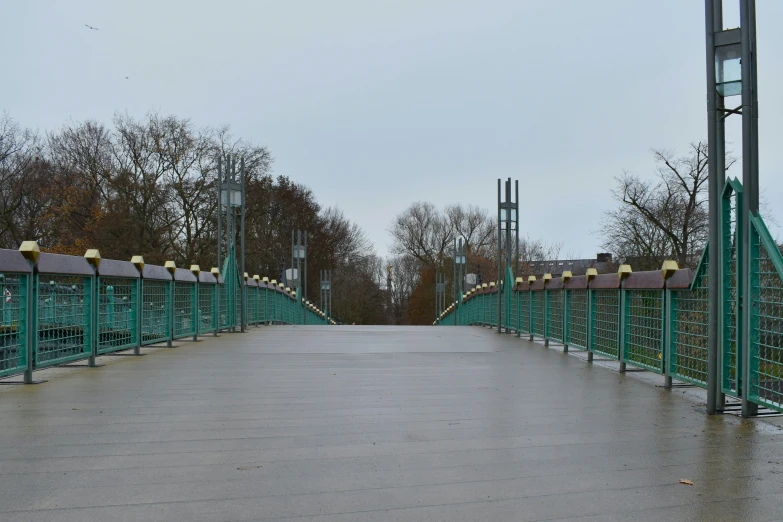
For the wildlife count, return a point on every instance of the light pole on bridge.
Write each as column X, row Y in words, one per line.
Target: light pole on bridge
column 299, row 261
column 231, row 196
column 731, row 71
column 508, row 221
column 459, row 261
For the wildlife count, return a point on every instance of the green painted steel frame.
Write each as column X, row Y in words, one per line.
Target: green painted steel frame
column 14, row 328
column 63, row 318
column 118, row 329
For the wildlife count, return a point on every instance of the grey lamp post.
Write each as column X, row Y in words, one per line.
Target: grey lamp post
column 459, row 263
column 508, row 223
column 232, row 197
column 440, row 294
column 298, row 262
column 326, row 293
column 731, row 71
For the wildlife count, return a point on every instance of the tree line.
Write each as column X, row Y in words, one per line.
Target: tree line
column 655, row 217
column 147, row 186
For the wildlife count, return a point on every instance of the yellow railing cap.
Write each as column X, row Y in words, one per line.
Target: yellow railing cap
column 171, row 266
column 547, row 277
column 215, row 271
column 669, row 267
column 519, row 280
column 624, row 271
column 195, row 269
column 257, row 277
column 530, row 279
column 30, row 250
column 138, row 261
column 591, row 273
column 93, row 256
column 265, row 279
column 567, row 275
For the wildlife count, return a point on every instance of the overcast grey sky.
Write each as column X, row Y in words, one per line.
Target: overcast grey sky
column 375, row 104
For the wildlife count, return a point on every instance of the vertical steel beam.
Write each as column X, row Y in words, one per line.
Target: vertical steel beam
column 713, row 23
column 243, row 296
column 750, row 199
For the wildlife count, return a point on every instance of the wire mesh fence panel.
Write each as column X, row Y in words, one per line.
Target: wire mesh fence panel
column 206, row 307
column 730, row 370
column 274, row 303
column 538, row 308
column 64, row 322
column 493, row 309
column 262, row 308
column 524, row 312
column 577, row 319
column 605, row 322
column 117, row 311
column 252, row 304
column 184, row 309
column 155, row 306
column 222, row 311
column 644, row 335
column 689, row 325
column 513, row 318
column 238, row 308
column 766, row 322
column 13, row 323
column 555, row 315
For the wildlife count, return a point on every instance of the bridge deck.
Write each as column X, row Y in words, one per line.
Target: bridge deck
column 374, row 424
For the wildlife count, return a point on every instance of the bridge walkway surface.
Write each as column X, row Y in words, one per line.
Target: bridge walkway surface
column 357, row 423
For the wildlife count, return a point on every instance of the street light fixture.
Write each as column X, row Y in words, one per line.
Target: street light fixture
column 460, row 260
column 299, row 261
column 731, row 71
column 508, row 222
column 231, row 196
column 326, row 293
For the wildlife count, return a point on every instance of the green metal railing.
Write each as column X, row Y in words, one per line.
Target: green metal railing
column 662, row 326
column 185, row 309
column 14, row 328
column 59, row 309
column 156, row 311
column 62, row 318
column 117, row 313
column 604, row 322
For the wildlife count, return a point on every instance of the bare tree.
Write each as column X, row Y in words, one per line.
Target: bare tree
column 20, row 149
column 475, row 226
column 422, row 232
column 661, row 219
column 404, row 273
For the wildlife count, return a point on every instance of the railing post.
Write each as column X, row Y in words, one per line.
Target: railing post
column 547, row 278
column 138, row 262
column 171, row 290
column 590, row 275
column 30, row 251
column 566, row 310
column 623, row 273
column 94, row 258
column 216, row 301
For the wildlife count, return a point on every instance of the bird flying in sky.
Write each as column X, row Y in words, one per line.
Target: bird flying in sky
column 91, row 27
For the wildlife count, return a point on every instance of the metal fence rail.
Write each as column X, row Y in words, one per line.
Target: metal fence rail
column 57, row 309
column 117, row 318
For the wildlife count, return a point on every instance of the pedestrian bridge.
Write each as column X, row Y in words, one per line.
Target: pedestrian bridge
column 353, row 423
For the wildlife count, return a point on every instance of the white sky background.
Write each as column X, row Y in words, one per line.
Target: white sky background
column 375, row 104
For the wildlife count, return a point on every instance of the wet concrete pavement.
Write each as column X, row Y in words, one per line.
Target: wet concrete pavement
column 375, row 424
